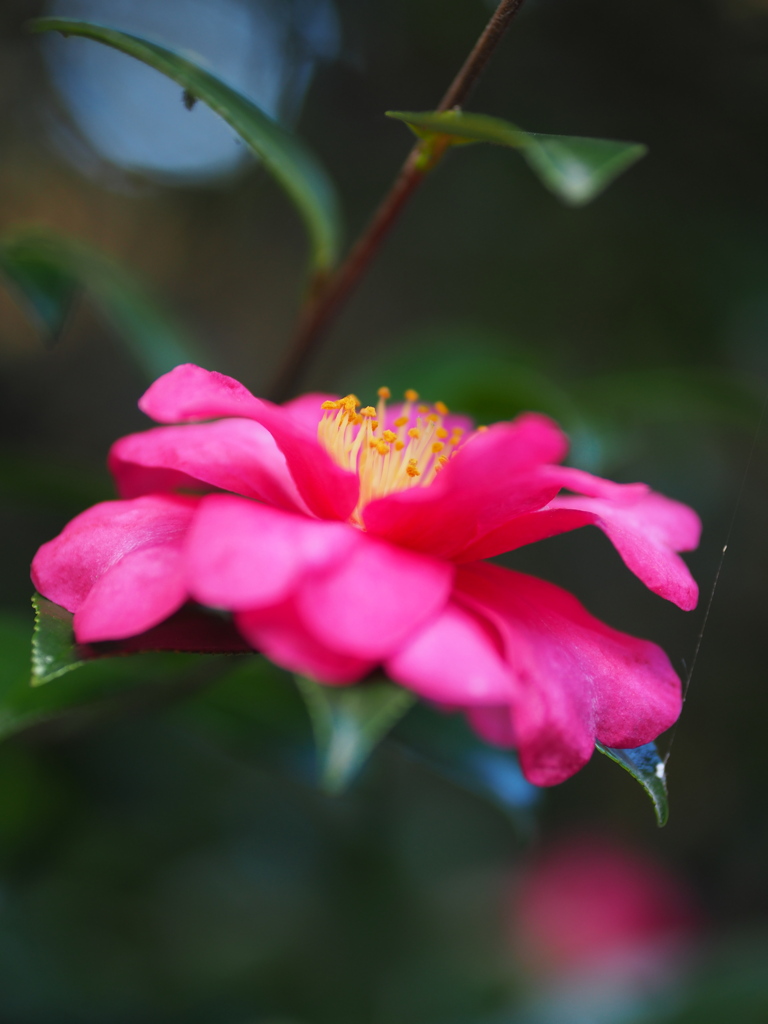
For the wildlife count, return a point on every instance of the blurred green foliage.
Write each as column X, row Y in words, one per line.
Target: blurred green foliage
column 171, row 860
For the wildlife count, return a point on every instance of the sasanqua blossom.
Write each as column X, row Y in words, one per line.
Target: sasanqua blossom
column 344, row 539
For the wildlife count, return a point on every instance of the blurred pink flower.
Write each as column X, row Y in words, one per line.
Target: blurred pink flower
column 343, row 539
column 591, row 906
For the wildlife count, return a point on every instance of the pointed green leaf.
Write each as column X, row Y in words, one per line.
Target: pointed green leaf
column 55, row 652
column 349, row 721
column 54, row 649
column 48, row 270
column 575, row 169
column 290, row 162
column 645, row 765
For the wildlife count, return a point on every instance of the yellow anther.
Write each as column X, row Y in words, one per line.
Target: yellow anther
column 481, row 430
column 354, row 435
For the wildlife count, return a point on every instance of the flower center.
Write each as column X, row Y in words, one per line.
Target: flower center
column 388, row 454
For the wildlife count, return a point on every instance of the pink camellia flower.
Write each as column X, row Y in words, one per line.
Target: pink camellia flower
column 343, row 538
column 589, row 905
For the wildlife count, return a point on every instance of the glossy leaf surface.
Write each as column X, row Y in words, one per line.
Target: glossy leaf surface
column 349, row 722
column 295, row 168
column 645, row 765
column 574, row 168
column 49, row 270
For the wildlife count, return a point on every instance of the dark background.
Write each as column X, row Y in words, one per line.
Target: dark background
column 158, row 860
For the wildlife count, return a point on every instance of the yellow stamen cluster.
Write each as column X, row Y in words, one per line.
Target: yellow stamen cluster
column 387, row 457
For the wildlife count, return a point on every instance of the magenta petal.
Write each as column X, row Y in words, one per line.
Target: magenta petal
column 66, row 568
column 279, row 633
column 241, row 554
column 373, row 598
column 455, row 659
column 233, row 455
column 647, row 533
column 307, row 409
column 493, row 724
column 597, row 487
column 137, row 593
column 191, row 393
column 495, row 476
column 525, row 529
column 578, row 678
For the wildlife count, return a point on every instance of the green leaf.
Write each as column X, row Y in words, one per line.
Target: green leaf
column 575, row 169
column 55, row 652
column 48, row 270
column 290, row 162
column 349, row 721
column 645, row 765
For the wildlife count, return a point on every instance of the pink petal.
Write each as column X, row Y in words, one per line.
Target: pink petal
column 646, row 528
column 493, row 724
column 373, row 598
column 307, row 409
column 66, row 568
column 595, row 486
column 279, row 633
column 494, row 477
column 647, row 533
column 525, row 529
column 190, row 393
column 578, row 678
column 454, row 659
column 240, row 554
column 137, row 593
column 233, row 455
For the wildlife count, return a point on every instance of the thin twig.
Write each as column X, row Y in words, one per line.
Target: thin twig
column 327, row 296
